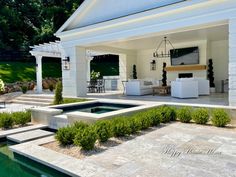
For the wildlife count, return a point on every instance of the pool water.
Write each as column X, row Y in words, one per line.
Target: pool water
column 97, row 108
column 13, row 165
column 100, row 109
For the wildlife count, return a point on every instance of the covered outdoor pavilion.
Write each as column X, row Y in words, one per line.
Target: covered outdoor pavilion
column 134, row 32
column 54, row 50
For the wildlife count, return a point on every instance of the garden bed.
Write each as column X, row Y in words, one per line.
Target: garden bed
column 77, row 152
column 87, row 136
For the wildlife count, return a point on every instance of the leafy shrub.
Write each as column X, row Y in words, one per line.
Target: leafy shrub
column 80, row 125
column 24, row 89
column 2, row 85
column 58, row 99
column 135, row 124
column 154, row 115
column 66, row 135
column 120, row 126
column 21, row 118
column 145, row 119
column 86, row 138
column 103, row 130
column 184, row 114
column 165, row 114
column 51, row 87
column 6, row 120
column 173, row 113
column 220, row 118
column 94, row 75
column 200, row 116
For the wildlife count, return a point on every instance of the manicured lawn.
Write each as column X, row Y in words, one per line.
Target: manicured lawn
column 73, row 100
column 25, row 71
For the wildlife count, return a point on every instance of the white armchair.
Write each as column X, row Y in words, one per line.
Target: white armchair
column 203, row 86
column 184, row 88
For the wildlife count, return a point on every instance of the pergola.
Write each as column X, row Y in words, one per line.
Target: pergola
column 51, row 49
column 55, row 50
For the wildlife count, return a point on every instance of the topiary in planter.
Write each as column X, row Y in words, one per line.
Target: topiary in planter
column 103, row 130
column 6, row 120
column 134, row 72
column 86, row 138
column 58, row 99
column 210, row 74
column 200, row 115
column 220, row 118
column 164, row 77
column 184, row 114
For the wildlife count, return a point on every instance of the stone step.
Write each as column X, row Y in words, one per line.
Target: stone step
column 29, row 136
column 30, row 102
column 41, row 96
column 35, row 99
column 21, row 129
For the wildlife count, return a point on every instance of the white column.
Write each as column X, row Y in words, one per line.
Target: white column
column 75, row 79
column 39, row 73
column 232, row 62
column 122, row 70
column 89, row 59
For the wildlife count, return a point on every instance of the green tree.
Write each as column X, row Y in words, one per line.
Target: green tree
column 28, row 22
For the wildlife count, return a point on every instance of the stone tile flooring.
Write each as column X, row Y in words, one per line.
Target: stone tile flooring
column 212, row 99
column 173, row 150
column 177, row 150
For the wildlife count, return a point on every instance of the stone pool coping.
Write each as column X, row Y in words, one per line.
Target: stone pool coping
column 48, row 115
column 140, row 105
column 12, row 131
column 58, row 161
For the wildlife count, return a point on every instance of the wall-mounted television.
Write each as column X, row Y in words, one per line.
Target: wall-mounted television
column 184, row 56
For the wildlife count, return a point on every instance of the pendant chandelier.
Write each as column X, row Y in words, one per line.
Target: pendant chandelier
column 162, row 52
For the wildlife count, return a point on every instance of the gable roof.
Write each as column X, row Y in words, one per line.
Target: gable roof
column 96, row 11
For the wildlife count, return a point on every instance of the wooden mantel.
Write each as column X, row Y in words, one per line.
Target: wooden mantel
column 186, row 68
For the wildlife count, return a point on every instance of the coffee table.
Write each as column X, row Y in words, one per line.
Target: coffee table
column 161, row 90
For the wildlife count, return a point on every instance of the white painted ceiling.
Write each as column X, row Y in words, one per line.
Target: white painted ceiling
column 212, row 34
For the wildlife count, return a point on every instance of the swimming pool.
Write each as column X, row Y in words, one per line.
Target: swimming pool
column 14, row 165
column 90, row 111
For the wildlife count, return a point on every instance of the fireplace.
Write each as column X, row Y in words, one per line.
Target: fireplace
column 185, row 75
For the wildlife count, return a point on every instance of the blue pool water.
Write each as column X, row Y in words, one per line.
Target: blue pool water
column 13, row 165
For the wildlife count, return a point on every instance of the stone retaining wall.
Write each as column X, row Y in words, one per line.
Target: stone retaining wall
column 16, row 87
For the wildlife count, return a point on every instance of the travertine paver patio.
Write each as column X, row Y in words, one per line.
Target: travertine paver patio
column 175, row 149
